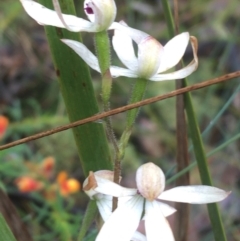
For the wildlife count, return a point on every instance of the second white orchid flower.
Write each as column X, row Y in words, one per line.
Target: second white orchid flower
column 103, row 199
column 150, row 180
column 153, row 59
column 101, row 13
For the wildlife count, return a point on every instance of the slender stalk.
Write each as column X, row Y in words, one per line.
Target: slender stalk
column 182, row 216
column 198, row 144
column 103, row 52
column 116, row 111
column 137, row 95
column 102, row 46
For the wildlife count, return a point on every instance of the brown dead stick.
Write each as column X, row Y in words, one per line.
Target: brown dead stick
column 12, row 218
column 123, row 109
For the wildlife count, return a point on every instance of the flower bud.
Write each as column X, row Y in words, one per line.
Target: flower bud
column 150, row 181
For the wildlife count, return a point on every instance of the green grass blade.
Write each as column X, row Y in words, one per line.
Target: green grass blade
column 200, row 155
column 5, row 232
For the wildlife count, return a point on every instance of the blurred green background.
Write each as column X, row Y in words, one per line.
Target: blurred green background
column 30, row 98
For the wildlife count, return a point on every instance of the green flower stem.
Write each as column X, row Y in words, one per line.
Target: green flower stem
column 137, row 95
column 197, row 143
column 102, row 46
column 78, row 94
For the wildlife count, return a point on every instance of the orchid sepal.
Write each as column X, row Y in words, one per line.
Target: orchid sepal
column 101, row 15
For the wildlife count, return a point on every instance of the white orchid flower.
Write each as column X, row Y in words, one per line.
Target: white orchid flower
column 153, row 59
column 150, row 180
column 101, row 14
column 92, row 187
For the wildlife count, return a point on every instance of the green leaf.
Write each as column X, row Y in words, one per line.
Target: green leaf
column 79, row 97
column 5, row 232
column 88, row 219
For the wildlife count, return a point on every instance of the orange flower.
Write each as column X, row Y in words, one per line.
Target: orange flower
column 67, row 186
column 28, row 184
column 47, row 166
column 3, row 125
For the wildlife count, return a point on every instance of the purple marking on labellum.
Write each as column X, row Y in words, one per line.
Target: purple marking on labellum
column 88, row 10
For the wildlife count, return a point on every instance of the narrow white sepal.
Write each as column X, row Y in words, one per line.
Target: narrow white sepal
column 156, row 225
column 105, row 207
column 123, row 222
column 138, row 237
column 123, row 46
column 110, row 188
column 83, row 52
column 174, row 51
column 135, row 34
column 194, row 194
column 166, row 209
column 118, row 71
column 184, row 72
column 45, row 16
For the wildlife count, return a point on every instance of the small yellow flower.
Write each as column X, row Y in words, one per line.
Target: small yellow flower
column 67, row 186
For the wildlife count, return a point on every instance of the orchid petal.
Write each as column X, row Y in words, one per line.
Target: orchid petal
column 166, row 209
column 123, row 222
column 138, row 237
column 105, row 207
column 84, row 53
column 150, row 50
column 104, row 203
column 174, row 51
column 107, row 187
column 123, row 46
column 184, row 72
column 157, row 227
column 45, row 16
column 194, row 194
column 118, row 71
column 137, row 35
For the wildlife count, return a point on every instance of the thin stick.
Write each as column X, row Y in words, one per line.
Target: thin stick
column 182, row 157
column 123, row 109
